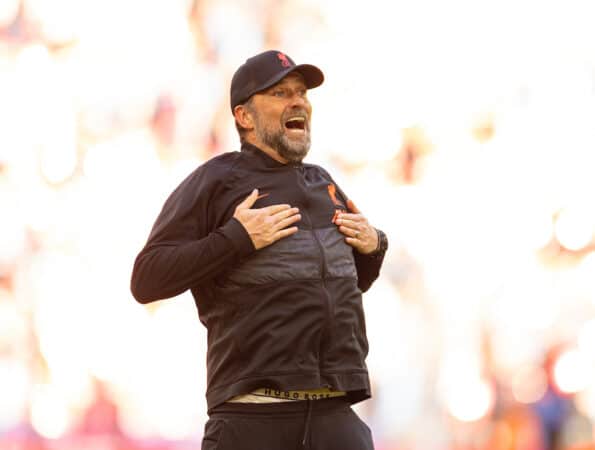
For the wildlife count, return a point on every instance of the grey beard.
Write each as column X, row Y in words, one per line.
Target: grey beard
column 292, row 151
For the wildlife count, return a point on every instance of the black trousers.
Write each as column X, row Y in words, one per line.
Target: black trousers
column 328, row 424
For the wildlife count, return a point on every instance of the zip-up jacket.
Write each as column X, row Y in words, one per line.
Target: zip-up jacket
column 288, row 316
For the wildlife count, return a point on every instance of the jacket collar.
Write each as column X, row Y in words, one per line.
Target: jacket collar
column 264, row 158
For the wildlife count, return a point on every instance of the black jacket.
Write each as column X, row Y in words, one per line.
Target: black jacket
column 288, row 316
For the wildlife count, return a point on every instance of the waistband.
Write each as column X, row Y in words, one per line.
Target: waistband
column 268, row 395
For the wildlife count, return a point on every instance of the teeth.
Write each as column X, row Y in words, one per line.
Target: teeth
column 301, row 119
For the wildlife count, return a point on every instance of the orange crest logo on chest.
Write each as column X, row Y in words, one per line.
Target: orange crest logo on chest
column 332, row 192
column 339, row 207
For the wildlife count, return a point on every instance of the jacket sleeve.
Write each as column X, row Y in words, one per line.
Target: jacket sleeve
column 181, row 252
column 368, row 269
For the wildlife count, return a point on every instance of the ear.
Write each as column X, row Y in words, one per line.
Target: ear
column 243, row 117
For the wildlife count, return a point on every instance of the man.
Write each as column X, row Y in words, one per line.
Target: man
column 276, row 258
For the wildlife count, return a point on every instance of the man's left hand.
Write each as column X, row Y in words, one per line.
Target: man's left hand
column 359, row 233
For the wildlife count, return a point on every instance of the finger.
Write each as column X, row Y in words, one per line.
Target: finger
column 351, row 218
column 274, row 209
column 249, row 201
column 352, row 241
column 349, row 223
column 286, row 213
column 285, row 232
column 350, row 232
column 287, row 221
column 351, row 206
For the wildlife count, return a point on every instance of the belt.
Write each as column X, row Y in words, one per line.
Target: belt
column 267, row 395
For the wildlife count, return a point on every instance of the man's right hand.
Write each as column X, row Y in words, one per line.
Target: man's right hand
column 266, row 225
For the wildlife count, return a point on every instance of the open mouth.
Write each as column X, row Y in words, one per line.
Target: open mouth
column 296, row 123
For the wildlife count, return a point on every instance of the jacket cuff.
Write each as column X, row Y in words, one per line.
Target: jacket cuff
column 235, row 232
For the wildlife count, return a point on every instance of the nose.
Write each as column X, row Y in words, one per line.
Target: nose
column 299, row 101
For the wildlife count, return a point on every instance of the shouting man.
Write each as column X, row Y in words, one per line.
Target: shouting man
column 277, row 258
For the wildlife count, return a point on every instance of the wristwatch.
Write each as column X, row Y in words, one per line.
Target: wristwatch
column 382, row 244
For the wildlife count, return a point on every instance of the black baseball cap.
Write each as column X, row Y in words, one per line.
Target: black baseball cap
column 266, row 69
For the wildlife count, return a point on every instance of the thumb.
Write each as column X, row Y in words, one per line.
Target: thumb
column 249, row 201
column 352, row 207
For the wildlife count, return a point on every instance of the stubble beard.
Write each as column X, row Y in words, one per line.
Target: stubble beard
column 294, row 151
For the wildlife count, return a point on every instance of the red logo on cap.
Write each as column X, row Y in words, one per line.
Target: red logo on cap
column 283, row 59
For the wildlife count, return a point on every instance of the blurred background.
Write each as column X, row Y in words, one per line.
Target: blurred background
column 464, row 129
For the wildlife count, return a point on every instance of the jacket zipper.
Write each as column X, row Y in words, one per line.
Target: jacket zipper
column 323, row 268
column 323, row 272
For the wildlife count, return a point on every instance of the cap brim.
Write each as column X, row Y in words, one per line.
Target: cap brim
column 313, row 76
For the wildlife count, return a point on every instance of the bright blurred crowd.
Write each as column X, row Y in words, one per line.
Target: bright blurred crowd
column 465, row 130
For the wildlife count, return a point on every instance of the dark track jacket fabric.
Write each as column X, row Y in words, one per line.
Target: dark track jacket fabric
column 288, row 316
